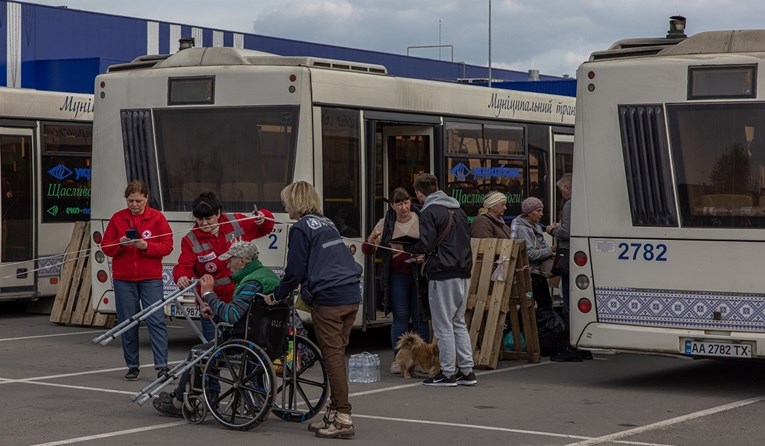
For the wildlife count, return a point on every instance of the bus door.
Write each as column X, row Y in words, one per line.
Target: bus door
column 563, row 148
column 18, row 224
column 401, row 153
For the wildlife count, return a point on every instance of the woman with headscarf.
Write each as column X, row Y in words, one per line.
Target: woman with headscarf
column 489, row 222
column 526, row 227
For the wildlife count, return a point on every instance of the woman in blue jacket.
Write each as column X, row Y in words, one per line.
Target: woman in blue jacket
column 329, row 279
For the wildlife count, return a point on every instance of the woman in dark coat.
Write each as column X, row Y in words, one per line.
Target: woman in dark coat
column 398, row 278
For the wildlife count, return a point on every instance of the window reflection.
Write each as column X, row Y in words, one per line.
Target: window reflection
column 244, row 155
column 341, row 169
column 719, row 152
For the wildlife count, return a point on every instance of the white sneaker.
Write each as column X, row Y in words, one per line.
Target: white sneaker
column 395, row 369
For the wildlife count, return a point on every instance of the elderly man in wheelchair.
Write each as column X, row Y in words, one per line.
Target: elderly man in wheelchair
column 234, row 377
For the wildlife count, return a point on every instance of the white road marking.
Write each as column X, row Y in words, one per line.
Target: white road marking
column 587, row 440
column 669, row 422
column 112, row 434
column 494, row 428
column 67, row 375
column 55, row 335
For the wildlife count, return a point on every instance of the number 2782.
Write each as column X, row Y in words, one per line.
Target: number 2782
column 646, row 251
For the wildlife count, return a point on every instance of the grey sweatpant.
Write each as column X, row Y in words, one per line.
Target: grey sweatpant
column 448, row 300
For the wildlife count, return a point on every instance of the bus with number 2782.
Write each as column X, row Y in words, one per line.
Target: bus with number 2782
column 668, row 210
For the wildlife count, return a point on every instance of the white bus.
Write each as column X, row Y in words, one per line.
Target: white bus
column 244, row 124
column 45, row 149
column 668, row 213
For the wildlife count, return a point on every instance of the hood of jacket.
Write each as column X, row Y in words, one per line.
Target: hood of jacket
column 439, row 197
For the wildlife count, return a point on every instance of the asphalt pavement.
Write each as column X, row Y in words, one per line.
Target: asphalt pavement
column 59, row 388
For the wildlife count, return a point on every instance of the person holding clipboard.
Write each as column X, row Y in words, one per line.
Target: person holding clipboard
column 399, row 272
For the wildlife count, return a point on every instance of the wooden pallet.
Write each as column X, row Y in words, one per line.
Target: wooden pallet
column 490, row 301
column 522, row 314
column 72, row 302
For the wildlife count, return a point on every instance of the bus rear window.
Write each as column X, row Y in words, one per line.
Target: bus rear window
column 244, row 155
column 719, row 157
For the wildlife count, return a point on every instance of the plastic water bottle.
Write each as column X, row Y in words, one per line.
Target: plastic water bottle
column 353, row 369
column 375, row 368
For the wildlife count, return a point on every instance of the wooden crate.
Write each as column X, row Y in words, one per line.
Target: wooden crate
column 490, row 301
column 72, row 302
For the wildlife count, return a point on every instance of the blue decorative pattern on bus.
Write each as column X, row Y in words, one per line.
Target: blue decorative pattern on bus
column 49, row 266
column 681, row 309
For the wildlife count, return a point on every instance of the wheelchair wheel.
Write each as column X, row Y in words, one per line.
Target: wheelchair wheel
column 302, row 385
column 194, row 409
column 238, row 383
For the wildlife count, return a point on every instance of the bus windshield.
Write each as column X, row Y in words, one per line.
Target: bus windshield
column 244, row 155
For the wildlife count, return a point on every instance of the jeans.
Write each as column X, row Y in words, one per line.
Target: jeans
column 208, row 329
column 405, row 306
column 129, row 298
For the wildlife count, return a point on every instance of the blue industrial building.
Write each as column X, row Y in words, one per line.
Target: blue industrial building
column 61, row 49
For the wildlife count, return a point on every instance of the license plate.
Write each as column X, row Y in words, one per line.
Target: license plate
column 192, row 311
column 720, row 349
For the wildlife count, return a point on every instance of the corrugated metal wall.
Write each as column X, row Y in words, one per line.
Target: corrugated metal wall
column 60, row 49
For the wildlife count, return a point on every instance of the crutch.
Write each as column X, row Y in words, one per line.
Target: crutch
column 154, row 388
column 127, row 324
column 160, row 383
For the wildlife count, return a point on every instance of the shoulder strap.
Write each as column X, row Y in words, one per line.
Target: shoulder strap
column 443, row 233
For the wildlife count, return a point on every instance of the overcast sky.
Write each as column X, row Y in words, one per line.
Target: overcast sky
column 553, row 36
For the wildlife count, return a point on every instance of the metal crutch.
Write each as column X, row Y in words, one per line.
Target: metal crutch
column 127, row 324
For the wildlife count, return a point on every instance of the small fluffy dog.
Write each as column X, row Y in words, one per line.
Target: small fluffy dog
column 414, row 353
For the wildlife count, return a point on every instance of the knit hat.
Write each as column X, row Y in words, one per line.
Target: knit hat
column 493, row 198
column 241, row 248
column 531, row 204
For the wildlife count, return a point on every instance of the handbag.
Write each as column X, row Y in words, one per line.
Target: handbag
column 560, row 262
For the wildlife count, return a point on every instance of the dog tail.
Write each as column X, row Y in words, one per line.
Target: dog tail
column 408, row 340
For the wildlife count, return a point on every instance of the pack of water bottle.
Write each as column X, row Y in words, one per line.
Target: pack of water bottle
column 364, row 368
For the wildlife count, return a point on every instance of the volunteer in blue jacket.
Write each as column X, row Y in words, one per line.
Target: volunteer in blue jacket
column 319, row 261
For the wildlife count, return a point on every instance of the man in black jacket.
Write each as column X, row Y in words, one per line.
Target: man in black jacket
column 445, row 241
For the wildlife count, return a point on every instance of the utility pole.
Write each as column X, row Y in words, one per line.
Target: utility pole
column 489, row 43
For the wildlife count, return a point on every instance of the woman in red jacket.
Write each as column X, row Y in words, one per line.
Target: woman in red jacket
column 212, row 235
column 137, row 238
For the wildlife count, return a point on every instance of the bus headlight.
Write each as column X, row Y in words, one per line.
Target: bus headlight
column 582, row 282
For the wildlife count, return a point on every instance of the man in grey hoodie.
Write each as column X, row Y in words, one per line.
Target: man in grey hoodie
column 445, row 243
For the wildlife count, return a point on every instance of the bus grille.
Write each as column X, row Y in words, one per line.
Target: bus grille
column 138, row 143
column 646, row 162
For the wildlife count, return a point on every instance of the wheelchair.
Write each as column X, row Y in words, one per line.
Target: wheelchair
column 274, row 368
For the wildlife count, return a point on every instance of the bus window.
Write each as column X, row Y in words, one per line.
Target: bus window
column 483, row 158
column 341, row 144
column 719, row 152
column 65, row 160
column 259, row 145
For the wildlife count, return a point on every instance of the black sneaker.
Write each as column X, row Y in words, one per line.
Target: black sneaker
column 466, row 380
column 570, row 354
column 162, row 372
column 441, row 380
column 132, row 374
column 166, row 407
